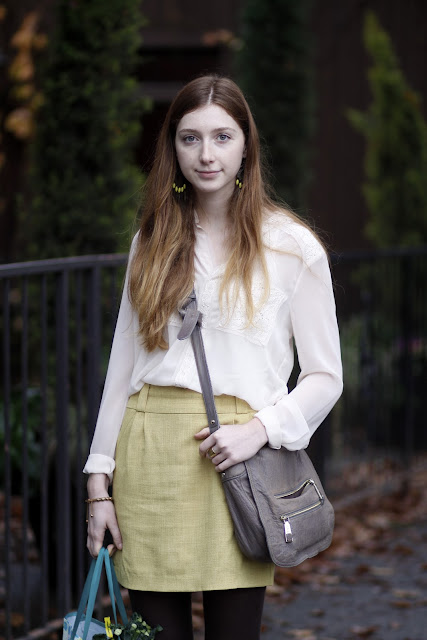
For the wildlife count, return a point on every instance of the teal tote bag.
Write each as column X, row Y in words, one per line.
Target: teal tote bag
column 79, row 625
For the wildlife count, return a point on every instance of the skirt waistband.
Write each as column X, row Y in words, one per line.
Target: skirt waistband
column 156, row 399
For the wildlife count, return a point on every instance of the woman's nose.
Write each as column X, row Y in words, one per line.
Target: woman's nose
column 206, row 152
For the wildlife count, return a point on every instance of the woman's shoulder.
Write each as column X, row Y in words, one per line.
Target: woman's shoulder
column 284, row 232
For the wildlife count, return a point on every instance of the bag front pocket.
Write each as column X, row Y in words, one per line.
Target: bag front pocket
column 303, row 499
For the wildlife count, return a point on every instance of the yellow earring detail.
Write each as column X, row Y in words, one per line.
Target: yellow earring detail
column 239, row 183
column 179, row 189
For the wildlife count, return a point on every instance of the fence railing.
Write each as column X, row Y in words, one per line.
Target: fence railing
column 57, row 322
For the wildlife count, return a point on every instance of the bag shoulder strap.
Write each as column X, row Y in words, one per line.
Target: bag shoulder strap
column 191, row 327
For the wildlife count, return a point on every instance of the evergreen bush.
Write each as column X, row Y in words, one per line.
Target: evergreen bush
column 274, row 70
column 396, row 148
column 83, row 179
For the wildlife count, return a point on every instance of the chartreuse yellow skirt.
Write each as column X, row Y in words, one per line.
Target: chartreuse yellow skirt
column 175, row 524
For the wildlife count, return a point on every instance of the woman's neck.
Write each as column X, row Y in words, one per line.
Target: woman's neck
column 213, row 218
column 212, row 212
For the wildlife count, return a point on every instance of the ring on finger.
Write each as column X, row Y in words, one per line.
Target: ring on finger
column 212, row 453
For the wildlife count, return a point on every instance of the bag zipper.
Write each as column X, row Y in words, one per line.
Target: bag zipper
column 301, row 486
column 287, row 529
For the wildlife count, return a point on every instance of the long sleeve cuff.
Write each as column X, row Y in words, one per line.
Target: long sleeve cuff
column 285, row 425
column 98, row 463
column 269, row 419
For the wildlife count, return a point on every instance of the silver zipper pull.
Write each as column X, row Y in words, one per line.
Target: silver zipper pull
column 287, row 530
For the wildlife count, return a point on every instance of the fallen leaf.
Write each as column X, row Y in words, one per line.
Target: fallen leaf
column 401, row 604
column 362, row 569
column 329, row 580
column 378, row 521
column 364, row 632
column 406, row 593
column 381, row 572
column 394, row 624
column 275, row 590
column 305, row 634
column 403, row 550
column 198, row 622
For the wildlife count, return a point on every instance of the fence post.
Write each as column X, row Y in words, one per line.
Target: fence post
column 7, row 468
column 24, row 420
column 63, row 515
column 406, row 312
column 44, row 472
column 94, row 346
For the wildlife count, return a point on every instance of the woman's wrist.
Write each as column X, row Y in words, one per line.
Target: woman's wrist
column 261, row 431
column 97, row 485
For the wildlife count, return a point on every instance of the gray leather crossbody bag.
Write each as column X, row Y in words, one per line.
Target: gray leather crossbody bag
column 277, row 503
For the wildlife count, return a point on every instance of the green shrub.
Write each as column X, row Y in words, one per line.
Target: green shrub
column 396, row 148
column 274, row 70
column 84, row 183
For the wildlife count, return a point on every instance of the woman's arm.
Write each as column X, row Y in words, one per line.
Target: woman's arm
column 292, row 420
column 116, row 388
column 100, row 464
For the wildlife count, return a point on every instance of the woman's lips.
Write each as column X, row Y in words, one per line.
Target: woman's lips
column 207, row 174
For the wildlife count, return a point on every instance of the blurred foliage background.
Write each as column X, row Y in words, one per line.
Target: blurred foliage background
column 395, row 131
column 84, row 87
column 83, row 183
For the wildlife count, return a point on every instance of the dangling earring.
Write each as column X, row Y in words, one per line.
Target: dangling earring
column 179, row 189
column 239, row 177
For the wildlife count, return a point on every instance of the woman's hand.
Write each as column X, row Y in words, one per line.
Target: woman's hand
column 101, row 516
column 232, row 443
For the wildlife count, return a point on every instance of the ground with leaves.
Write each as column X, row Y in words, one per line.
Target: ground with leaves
column 371, row 583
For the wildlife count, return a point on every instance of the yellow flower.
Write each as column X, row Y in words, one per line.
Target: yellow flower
column 108, row 631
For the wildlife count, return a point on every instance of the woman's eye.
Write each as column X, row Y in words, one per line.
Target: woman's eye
column 189, row 138
column 223, row 137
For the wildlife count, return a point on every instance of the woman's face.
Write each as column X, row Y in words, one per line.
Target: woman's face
column 210, row 146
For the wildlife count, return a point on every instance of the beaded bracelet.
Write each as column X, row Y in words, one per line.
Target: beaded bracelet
column 90, row 500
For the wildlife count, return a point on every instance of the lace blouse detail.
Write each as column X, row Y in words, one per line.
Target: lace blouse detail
column 259, row 331
column 284, row 234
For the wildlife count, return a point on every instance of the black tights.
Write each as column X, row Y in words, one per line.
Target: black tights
column 229, row 615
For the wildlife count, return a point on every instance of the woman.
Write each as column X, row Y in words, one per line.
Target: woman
column 261, row 279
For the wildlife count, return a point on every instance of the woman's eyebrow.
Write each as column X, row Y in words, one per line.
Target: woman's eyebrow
column 217, row 130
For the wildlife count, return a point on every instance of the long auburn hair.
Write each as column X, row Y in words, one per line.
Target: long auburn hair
column 162, row 267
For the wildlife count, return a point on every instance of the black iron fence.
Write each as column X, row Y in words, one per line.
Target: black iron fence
column 377, row 428
column 57, row 322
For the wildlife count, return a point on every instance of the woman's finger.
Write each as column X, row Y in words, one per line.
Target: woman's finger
column 115, row 533
column 93, row 546
column 201, row 435
column 218, row 458
column 206, row 446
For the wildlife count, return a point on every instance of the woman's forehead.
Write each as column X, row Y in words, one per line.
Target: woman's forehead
column 208, row 117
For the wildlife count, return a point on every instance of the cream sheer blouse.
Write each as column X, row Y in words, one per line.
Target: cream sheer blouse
column 251, row 362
